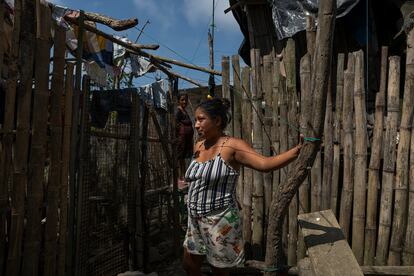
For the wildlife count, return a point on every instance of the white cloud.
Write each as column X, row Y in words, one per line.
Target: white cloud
column 200, row 11
column 157, row 10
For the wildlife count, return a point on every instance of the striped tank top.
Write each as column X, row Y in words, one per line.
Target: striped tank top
column 212, row 185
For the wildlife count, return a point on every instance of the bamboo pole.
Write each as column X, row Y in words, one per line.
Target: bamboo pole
column 290, row 60
column 257, row 141
column 55, row 152
column 275, row 121
column 225, row 81
column 38, row 144
column 267, row 92
column 337, row 133
column 74, row 149
column 389, row 160
column 63, row 220
column 399, row 220
column 327, row 11
column 374, row 166
column 247, row 172
column 327, row 149
column 306, row 108
column 21, row 153
column 348, row 183
column 237, row 115
column 361, row 145
column 408, row 247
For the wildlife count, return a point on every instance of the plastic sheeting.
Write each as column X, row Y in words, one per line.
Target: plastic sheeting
column 289, row 16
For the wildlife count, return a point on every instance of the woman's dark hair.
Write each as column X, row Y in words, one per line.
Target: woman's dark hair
column 217, row 107
column 183, row 94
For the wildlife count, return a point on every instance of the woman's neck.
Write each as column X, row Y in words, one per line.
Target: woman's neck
column 211, row 141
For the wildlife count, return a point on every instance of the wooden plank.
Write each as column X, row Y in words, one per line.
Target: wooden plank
column 328, row 249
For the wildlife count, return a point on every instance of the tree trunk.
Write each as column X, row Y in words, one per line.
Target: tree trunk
column 348, row 182
column 258, row 207
column 32, row 243
column 390, row 139
column 337, row 133
column 399, row 220
column 306, row 108
column 374, row 166
column 300, row 170
column 360, row 175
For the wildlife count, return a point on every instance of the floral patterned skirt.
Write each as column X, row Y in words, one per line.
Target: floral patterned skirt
column 218, row 236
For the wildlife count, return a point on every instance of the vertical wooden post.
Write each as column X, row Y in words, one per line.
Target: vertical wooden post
column 1, row 51
column 374, row 166
column 247, row 172
column 337, row 133
column 257, row 234
column 306, row 109
column 225, row 82
column 389, row 160
column 55, row 152
column 348, row 183
column 63, row 222
column 290, row 62
column 74, row 149
column 360, row 172
column 39, row 138
column 275, row 121
column 267, row 92
column 21, row 153
column 399, row 220
column 237, row 114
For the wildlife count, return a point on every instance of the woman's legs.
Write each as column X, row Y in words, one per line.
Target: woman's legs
column 192, row 263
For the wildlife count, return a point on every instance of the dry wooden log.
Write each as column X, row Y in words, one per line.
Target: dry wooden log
column 361, row 145
column 348, row 182
column 389, row 161
column 21, row 153
column 33, row 237
column 275, row 120
column 225, row 80
column 267, row 92
column 115, row 24
column 290, row 63
column 399, row 220
column 327, row 10
column 55, row 152
column 306, row 108
column 257, row 194
column 337, row 133
column 63, row 206
column 374, row 166
column 170, row 73
column 316, row 183
column 247, row 172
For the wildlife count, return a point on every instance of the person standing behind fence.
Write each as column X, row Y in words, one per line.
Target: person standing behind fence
column 214, row 224
column 184, row 133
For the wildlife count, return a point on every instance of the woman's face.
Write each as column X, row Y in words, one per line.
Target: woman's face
column 206, row 126
column 183, row 101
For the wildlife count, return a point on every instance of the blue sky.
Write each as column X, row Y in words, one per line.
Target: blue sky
column 180, row 25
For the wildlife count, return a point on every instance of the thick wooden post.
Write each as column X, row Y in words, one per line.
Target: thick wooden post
column 2, row 34
column 337, row 134
column 247, row 172
column 267, row 92
column 306, row 108
column 257, row 234
column 33, row 238
column 21, row 153
column 290, row 62
column 225, row 82
column 275, row 121
column 399, row 220
column 374, row 166
column 360, row 173
column 348, row 182
column 63, row 222
column 55, row 152
column 389, row 161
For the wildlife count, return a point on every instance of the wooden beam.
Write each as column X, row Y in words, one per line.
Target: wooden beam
column 328, row 250
column 176, row 75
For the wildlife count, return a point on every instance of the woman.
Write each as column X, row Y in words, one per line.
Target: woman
column 214, row 224
column 184, row 133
